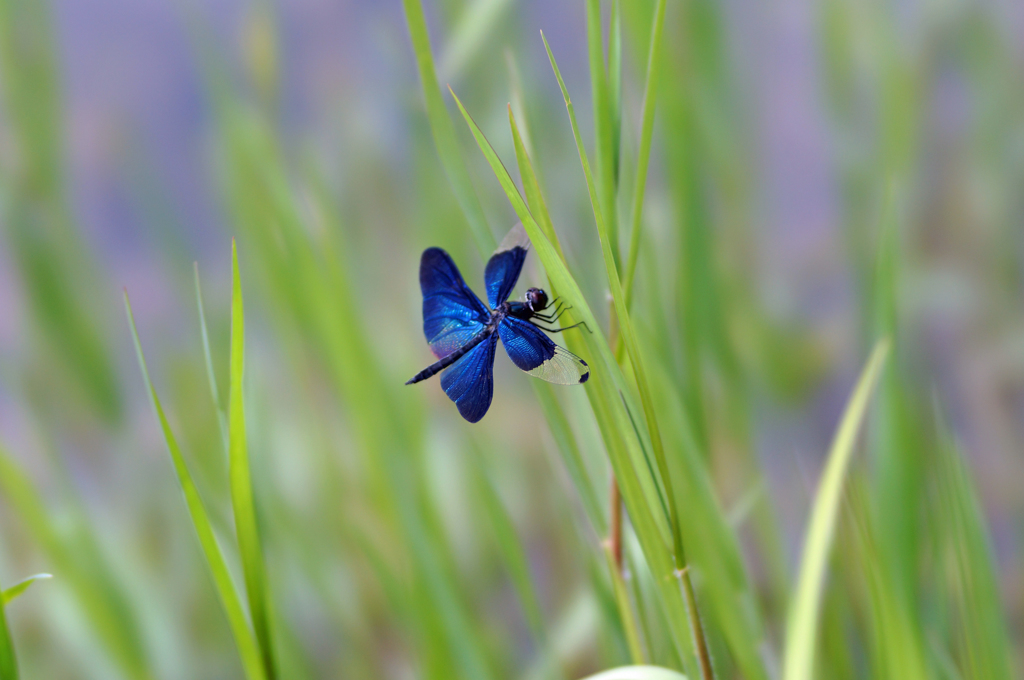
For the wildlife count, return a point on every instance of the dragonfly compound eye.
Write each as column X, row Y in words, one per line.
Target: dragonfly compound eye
column 537, row 299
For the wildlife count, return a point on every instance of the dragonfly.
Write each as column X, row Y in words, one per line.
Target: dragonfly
column 463, row 332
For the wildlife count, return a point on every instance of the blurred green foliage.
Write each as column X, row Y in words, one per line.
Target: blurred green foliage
column 350, row 526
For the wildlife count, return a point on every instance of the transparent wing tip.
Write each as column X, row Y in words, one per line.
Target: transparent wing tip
column 516, row 237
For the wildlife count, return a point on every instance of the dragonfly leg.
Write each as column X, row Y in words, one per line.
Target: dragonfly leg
column 553, row 316
column 559, row 330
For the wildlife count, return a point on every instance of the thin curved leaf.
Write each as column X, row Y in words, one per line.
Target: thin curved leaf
column 21, row 586
column 798, row 663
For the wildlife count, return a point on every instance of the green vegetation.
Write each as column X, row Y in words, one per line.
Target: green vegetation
column 349, row 526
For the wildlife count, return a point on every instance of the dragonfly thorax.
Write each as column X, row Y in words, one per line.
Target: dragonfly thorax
column 535, row 301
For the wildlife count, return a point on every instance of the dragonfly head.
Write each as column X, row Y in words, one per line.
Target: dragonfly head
column 536, row 299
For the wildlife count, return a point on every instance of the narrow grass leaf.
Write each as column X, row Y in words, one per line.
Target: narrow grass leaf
column 615, row 87
column 20, row 587
column 444, row 131
column 248, row 647
column 644, row 155
column 798, row 662
column 242, row 502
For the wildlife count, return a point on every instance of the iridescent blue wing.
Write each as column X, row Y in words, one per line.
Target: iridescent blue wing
column 533, row 352
column 452, row 313
column 503, row 268
column 469, row 382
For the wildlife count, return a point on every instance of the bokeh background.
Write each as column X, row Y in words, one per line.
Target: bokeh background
column 806, row 155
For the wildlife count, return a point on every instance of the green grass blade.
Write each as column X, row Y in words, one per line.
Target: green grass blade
column 798, row 662
column 444, row 131
column 248, row 648
column 615, row 88
column 20, row 587
column 604, row 152
column 242, row 501
column 637, row 673
column 211, row 376
column 8, row 659
column 644, row 155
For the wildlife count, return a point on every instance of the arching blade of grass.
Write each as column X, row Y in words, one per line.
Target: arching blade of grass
column 248, row 648
column 644, row 155
column 628, row 458
column 637, row 673
column 242, row 501
column 20, row 587
column 798, row 662
column 8, row 659
column 444, row 131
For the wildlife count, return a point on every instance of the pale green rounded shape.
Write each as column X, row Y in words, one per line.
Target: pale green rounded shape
column 638, row 673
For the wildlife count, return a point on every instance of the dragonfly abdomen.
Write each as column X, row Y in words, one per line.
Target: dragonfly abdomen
column 447, row 361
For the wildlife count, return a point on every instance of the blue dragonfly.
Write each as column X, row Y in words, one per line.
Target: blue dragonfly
column 463, row 332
